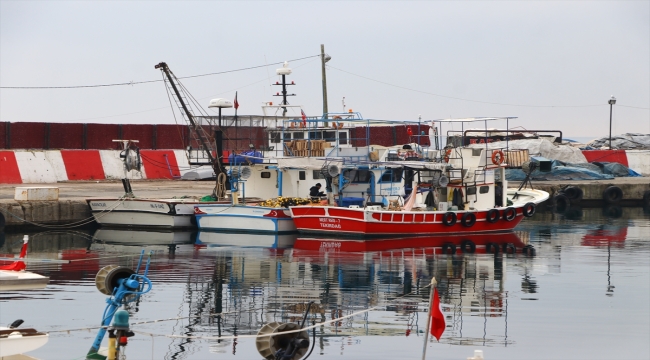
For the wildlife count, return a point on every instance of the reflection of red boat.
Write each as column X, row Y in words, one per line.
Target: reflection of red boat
column 467, row 243
column 605, row 237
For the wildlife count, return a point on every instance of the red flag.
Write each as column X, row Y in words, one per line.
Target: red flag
column 236, row 103
column 437, row 317
column 304, row 118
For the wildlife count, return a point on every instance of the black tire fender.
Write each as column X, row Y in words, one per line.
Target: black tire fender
column 509, row 214
column 612, row 195
column 529, row 209
column 529, row 250
column 467, row 247
column 492, row 216
column 448, row 246
column 492, row 248
column 574, row 194
column 509, row 248
column 449, row 218
column 468, row 219
column 561, row 202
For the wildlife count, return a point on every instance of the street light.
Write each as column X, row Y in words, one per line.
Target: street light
column 611, row 102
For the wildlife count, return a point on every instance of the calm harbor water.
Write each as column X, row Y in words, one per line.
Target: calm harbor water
column 584, row 295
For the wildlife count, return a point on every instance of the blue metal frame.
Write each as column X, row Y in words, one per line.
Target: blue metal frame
column 133, row 285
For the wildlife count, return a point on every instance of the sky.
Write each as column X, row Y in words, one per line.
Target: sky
column 552, row 64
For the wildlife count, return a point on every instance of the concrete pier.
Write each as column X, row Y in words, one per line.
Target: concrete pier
column 71, row 206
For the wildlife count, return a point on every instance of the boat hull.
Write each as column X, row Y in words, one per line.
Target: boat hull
column 375, row 222
column 20, row 341
column 22, row 280
column 158, row 213
column 244, row 218
column 360, row 222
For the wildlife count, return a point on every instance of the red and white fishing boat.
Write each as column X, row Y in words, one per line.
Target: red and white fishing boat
column 473, row 179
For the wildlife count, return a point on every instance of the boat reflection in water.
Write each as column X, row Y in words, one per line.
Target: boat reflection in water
column 252, row 286
column 269, row 240
column 129, row 241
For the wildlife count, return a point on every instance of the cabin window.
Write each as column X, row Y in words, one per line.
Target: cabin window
column 287, row 136
column 343, row 137
column 275, row 137
column 471, row 190
column 358, row 176
column 315, row 135
column 329, row 135
column 317, row 174
column 266, row 174
column 302, row 175
column 298, row 136
column 391, row 176
column 484, row 189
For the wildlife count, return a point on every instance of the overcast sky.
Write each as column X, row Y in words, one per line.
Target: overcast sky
column 553, row 65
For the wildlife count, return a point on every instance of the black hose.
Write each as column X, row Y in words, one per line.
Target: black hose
column 304, row 318
column 313, row 340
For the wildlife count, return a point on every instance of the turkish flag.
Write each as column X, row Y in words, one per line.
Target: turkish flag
column 236, row 103
column 437, row 317
column 304, row 118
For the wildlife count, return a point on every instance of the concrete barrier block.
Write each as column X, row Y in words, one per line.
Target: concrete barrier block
column 36, row 193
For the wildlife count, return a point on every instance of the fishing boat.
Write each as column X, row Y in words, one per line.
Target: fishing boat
column 299, row 153
column 14, row 277
column 466, row 192
column 141, row 212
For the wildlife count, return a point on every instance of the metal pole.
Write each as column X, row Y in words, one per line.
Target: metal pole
column 610, row 124
column 322, row 62
column 427, row 329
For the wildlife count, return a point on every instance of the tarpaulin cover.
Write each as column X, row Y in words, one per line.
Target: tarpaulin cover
column 568, row 171
column 254, row 157
column 628, row 141
column 543, row 147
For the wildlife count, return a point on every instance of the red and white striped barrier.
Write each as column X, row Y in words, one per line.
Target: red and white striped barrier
column 637, row 160
column 50, row 166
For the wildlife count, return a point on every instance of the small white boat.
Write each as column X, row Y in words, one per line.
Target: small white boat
column 14, row 276
column 14, row 342
column 136, row 212
column 244, row 218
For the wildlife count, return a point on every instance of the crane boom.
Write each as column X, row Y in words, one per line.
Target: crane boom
column 190, row 117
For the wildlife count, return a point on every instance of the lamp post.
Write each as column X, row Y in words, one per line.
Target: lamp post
column 611, row 102
column 323, row 59
column 218, row 134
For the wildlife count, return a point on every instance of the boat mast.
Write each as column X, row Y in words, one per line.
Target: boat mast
column 284, row 71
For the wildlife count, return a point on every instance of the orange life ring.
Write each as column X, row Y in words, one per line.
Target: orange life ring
column 498, row 157
column 447, row 153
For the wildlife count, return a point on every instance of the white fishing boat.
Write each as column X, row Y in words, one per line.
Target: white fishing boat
column 140, row 212
column 14, row 277
column 14, row 341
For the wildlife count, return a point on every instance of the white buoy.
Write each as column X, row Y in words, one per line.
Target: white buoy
column 478, row 355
